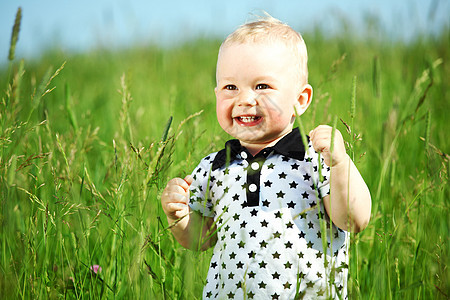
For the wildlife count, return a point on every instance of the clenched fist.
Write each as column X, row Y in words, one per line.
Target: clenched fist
column 175, row 197
column 321, row 140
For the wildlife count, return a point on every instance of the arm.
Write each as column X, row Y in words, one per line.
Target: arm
column 350, row 203
column 190, row 229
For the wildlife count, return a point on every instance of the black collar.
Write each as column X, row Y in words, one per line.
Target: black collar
column 290, row 145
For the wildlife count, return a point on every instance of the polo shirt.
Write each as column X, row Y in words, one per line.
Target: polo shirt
column 274, row 237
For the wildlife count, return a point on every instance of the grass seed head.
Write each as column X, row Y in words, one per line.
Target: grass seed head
column 15, row 34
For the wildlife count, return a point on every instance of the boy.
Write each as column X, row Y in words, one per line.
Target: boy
column 261, row 201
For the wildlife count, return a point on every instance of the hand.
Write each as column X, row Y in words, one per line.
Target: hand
column 175, row 197
column 321, row 140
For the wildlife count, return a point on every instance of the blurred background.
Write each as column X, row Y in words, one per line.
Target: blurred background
column 106, row 100
column 82, row 25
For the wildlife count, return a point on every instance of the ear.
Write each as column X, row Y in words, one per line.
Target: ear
column 303, row 100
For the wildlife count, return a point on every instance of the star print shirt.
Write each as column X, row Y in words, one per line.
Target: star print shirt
column 274, row 237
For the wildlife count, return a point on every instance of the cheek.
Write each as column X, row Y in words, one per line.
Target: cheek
column 280, row 119
column 223, row 111
column 279, row 113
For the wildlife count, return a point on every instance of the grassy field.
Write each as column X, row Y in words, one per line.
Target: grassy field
column 85, row 154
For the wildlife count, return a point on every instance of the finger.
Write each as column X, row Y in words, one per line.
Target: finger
column 175, row 188
column 325, row 136
column 311, row 135
column 177, row 182
column 174, row 207
column 189, row 179
column 175, row 197
column 321, row 138
column 185, row 183
column 181, row 213
column 321, row 146
column 318, row 136
column 323, row 127
column 322, row 130
column 176, row 212
column 314, row 134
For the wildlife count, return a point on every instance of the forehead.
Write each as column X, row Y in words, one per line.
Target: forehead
column 267, row 56
column 255, row 49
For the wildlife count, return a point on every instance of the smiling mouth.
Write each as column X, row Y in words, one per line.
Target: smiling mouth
column 248, row 120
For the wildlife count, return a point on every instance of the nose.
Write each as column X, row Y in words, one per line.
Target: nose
column 247, row 98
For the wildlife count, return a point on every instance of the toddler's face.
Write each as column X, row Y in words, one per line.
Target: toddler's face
column 257, row 88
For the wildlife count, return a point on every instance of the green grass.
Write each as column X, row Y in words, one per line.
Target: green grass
column 84, row 156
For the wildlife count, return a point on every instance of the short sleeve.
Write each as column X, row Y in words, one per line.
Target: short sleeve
column 199, row 200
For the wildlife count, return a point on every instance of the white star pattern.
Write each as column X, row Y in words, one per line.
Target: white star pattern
column 265, row 249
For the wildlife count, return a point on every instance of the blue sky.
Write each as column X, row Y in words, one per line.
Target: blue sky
column 78, row 25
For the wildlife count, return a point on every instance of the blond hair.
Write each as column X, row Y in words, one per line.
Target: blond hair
column 269, row 29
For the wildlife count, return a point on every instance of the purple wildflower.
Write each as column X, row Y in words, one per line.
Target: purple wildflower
column 96, row 269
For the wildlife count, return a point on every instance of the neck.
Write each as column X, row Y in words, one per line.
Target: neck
column 255, row 148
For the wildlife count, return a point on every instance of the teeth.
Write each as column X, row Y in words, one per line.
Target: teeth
column 247, row 119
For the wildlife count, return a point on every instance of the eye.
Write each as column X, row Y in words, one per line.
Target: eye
column 230, row 87
column 262, row 86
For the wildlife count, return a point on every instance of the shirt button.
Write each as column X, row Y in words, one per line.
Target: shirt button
column 244, row 155
column 255, row 166
column 252, row 188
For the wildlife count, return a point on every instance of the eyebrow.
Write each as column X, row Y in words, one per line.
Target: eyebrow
column 266, row 77
column 228, row 78
column 258, row 78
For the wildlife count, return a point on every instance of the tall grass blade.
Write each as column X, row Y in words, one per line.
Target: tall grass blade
column 42, row 90
column 302, row 131
column 12, row 170
column 68, row 106
column 352, row 118
column 61, row 149
column 333, row 134
column 376, row 77
column 16, row 86
column 428, row 129
column 166, row 129
column 124, row 114
column 353, row 100
column 15, row 34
